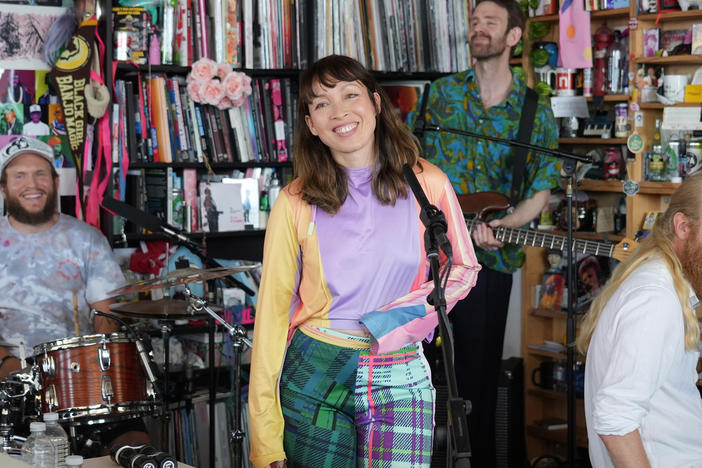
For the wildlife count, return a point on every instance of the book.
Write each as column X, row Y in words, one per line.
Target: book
column 221, row 207
column 696, row 48
column 551, row 424
column 182, row 34
column 156, row 182
column 190, row 199
column 130, row 34
column 248, row 190
column 651, row 38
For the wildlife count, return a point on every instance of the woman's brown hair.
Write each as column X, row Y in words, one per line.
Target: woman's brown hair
column 323, row 181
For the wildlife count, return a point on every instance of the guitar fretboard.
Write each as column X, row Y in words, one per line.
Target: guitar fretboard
column 549, row 241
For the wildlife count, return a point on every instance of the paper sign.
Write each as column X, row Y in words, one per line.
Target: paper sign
column 569, row 106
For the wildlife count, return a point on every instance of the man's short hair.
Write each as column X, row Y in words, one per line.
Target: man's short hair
column 515, row 15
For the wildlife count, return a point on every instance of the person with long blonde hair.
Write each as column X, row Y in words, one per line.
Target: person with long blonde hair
column 641, row 337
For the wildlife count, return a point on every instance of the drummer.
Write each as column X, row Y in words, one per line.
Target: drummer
column 53, row 267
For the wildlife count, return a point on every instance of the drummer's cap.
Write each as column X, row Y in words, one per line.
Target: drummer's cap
column 24, row 145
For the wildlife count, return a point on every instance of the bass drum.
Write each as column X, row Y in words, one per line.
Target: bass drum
column 93, row 379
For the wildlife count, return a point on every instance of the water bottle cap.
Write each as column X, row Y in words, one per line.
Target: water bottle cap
column 74, row 460
column 50, row 417
column 37, row 427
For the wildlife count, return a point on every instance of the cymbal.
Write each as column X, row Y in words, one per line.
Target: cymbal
column 181, row 276
column 161, row 309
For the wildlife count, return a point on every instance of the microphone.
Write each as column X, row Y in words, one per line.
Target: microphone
column 128, row 457
column 420, row 122
column 145, row 361
column 432, row 217
column 145, row 220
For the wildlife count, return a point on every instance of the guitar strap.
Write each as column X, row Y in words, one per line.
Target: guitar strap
column 526, row 125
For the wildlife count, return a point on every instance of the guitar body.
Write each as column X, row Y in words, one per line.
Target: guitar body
column 476, row 206
column 481, row 203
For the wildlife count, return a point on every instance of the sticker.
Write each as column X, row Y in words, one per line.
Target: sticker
column 638, row 119
column 635, row 143
column 631, row 187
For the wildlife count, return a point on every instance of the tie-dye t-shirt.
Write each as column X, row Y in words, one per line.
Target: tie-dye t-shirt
column 40, row 273
column 477, row 165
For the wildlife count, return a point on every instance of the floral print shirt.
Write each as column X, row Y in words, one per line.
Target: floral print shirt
column 475, row 165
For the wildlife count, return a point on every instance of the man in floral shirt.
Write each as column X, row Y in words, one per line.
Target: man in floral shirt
column 488, row 99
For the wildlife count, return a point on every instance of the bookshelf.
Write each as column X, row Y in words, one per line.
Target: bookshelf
column 278, row 39
column 271, row 41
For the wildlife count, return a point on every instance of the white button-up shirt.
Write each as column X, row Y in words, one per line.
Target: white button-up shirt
column 638, row 374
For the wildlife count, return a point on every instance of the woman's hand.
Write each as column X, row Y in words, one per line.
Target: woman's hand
column 276, row 464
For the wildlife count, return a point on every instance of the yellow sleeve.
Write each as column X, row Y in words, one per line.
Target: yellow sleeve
column 276, row 296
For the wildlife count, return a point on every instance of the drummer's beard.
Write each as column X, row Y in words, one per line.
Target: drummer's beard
column 19, row 213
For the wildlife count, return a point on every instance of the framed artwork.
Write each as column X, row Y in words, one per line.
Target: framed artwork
column 23, row 30
column 404, row 95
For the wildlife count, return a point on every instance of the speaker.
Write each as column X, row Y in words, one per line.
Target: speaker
column 510, row 437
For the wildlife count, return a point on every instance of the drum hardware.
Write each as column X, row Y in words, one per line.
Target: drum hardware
column 106, row 389
column 239, row 338
column 16, row 392
column 104, row 358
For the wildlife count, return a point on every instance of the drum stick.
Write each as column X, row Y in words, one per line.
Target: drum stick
column 75, row 314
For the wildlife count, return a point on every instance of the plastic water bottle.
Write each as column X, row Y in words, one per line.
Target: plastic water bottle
column 38, row 450
column 58, row 437
column 74, row 461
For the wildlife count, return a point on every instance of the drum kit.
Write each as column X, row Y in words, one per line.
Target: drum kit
column 104, row 378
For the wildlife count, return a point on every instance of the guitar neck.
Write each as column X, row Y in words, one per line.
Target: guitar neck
column 546, row 240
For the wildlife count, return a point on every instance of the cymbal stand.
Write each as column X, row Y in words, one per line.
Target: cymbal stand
column 239, row 338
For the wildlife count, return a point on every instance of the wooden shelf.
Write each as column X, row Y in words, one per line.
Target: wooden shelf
column 610, row 97
column 594, row 185
column 670, row 16
column 592, row 141
column 559, row 435
column 671, row 60
column 198, row 235
column 220, row 165
column 538, row 352
column 551, row 394
column 549, row 313
column 657, row 188
column 660, row 105
column 616, row 13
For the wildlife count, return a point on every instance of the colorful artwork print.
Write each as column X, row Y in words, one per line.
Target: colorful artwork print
column 23, row 30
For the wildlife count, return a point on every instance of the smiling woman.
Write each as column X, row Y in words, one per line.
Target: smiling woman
column 337, row 370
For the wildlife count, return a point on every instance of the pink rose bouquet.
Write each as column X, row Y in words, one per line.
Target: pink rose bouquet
column 217, row 84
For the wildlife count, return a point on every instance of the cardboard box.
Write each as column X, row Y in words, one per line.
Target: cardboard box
column 693, row 93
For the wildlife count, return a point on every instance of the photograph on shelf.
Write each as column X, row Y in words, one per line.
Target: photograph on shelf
column 404, row 94
column 131, row 28
column 591, row 274
column 23, row 30
column 553, row 283
column 248, row 189
column 221, row 207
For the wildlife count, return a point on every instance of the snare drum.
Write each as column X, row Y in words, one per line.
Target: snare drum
column 93, row 379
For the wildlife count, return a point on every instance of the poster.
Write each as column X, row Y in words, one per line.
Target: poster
column 23, row 30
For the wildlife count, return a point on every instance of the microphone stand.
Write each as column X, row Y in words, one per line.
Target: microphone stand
column 458, row 442
column 568, row 166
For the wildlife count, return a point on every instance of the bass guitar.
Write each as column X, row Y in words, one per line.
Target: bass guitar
column 476, row 206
